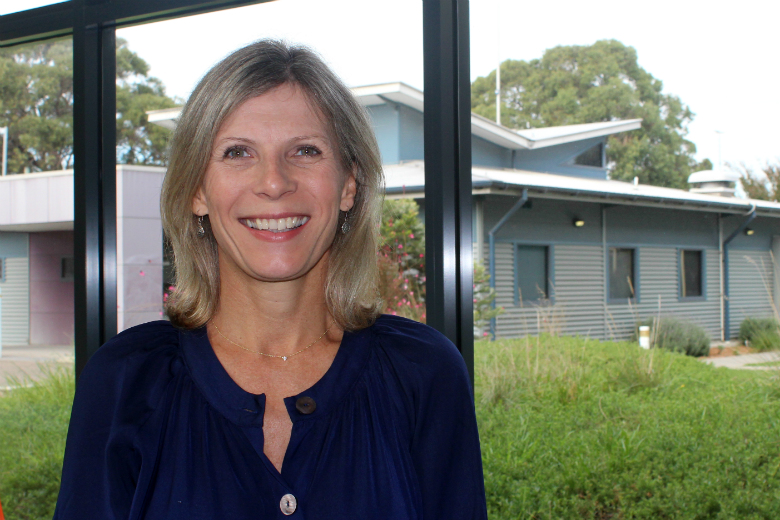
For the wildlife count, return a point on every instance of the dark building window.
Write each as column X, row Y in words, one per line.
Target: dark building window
column 591, row 157
column 622, row 284
column 2, row 269
column 690, row 273
column 531, row 273
column 67, row 268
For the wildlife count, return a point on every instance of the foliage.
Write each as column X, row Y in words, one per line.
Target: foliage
column 575, row 428
column 33, row 424
column 600, row 82
column 762, row 185
column 36, row 104
column 674, row 334
column 402, row 259
column 484, row 296
column 763, row 334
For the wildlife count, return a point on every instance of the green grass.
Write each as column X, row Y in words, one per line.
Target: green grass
column 570, row 429
column 580, row 429
column 33, row 425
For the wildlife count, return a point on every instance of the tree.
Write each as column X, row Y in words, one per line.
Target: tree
column 36, row 104
column 763, row 185
column 587, row 84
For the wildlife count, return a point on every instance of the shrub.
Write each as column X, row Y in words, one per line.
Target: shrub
column 678, row 336
column 760, row 332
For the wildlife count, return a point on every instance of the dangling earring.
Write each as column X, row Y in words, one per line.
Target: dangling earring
column 201, row 231
column 345, row 226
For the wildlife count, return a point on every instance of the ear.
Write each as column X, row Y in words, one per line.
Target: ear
column 348, row 192
column 199, row 206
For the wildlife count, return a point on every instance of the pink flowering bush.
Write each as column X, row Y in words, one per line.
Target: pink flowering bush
column 402, row 260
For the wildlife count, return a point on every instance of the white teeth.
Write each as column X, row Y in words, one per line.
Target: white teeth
column 276, row 225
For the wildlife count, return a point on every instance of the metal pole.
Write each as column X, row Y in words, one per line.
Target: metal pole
column 449, row 268
column 4, row 131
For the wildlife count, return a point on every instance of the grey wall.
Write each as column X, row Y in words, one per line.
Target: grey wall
column 579, row 273
column 15, row 311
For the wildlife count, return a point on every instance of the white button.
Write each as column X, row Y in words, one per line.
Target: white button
column 288, row 504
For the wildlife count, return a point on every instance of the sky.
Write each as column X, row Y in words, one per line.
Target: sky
column 719, row 58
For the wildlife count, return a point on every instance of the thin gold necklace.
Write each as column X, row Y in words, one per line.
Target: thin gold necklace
column 284, row 358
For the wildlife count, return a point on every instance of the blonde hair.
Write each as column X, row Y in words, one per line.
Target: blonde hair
column 351, row 283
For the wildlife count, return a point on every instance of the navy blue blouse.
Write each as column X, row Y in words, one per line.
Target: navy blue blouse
column 159, row 430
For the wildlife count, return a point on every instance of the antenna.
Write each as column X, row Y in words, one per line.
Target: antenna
column 498, row 69
column 4, row 131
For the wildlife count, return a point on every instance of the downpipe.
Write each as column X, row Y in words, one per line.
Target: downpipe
column 492, row 254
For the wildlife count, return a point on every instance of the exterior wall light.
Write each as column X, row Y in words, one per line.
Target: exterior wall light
column 578, row 222
column 749, row 231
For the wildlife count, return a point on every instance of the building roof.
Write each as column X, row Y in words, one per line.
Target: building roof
column 403, row 94
column 408, row 180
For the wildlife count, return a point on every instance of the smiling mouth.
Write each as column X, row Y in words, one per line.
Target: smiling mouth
column 275, row 225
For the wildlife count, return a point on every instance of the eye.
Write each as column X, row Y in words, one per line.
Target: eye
column 308, row 151
column 236, row 152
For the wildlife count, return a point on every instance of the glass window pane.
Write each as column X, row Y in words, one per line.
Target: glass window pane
column 691, row 273
column 531, row 272
column 621, row 273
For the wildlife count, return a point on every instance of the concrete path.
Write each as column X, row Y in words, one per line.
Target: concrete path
column 30, row 362
column 743, row 360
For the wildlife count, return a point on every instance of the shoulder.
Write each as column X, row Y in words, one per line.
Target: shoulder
column 420, row 349
column 141, row 340
column 130, row 353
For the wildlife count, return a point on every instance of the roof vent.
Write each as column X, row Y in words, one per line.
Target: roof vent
column 716, row 182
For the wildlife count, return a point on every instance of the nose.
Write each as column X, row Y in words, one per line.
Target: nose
column 273, row 180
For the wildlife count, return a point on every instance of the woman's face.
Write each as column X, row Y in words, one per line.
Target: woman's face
column 273, row 188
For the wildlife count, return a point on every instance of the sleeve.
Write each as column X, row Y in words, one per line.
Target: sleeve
column 100, row 468
column 445, row 444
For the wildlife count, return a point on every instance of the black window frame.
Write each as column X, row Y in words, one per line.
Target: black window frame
column 447, row 130
column 681, row 275
column 635, row 282
column 549, row 275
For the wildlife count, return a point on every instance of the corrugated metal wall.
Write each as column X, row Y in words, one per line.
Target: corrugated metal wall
column 659, row 290
column 16, row 302
column 578, row 288
column 751, row 279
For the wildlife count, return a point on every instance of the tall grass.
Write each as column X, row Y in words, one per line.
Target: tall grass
column 33, row 425
column 573, row 428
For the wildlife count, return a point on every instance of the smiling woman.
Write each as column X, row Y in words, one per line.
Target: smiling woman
column 277, row 388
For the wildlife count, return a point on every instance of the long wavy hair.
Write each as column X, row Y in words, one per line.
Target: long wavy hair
column 351, row 283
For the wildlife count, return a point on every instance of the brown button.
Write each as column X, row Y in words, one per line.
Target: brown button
column 305, row 405
column 288, row 504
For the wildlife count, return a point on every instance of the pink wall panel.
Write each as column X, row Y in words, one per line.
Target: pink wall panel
column 51, row 299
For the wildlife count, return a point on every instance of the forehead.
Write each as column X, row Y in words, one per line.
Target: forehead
column 285, row 108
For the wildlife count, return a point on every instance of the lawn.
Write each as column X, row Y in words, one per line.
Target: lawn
column 33, row 425
column 580, row 429
column 570, row 428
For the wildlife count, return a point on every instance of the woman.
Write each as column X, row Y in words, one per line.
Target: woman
column 276, row 389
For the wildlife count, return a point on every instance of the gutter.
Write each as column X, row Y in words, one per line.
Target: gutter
column 726, row 306
column 492, row 240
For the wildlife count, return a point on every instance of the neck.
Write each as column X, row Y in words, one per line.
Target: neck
column 276, row 318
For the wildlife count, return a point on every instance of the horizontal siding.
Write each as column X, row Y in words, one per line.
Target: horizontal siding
column 751, row 279
column 658, row 294
column 16, row 302
column 579, row 294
